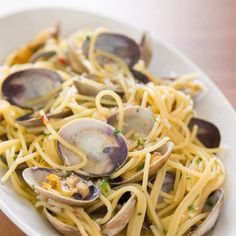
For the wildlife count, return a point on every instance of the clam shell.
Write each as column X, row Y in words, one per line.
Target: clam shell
column 208, row 133
column 42, row 55
column 138, row 176
column 61, row 227
column 136, row 118
column 120, row 220
column 217, row 198
column 35, row 176
column 29, row 121
column 105, row 149
column 117, row 44
column 146, row 48
column 21, row 87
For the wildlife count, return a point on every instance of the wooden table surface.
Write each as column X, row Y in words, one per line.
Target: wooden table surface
column 206, row 32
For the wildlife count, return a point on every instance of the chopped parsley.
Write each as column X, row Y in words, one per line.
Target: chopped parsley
column 139, row 213
column 199, row 160
column 88, row 37
column 14, row 158
column 33, row 186
column 209, row 203
column 140, row 167
column 104, row 186
column 46, row 133
column 188, row 178
column 190, row 208
column 68, row 174
column 140, row 142
column 116, row 133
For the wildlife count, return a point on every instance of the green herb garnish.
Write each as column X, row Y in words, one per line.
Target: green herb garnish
column 104, row 186
column 140, row 142
column 139, row 213
column 199, row 160
column 140, row 167
column 68, row 174
column 88, row 37
column 116, row 133
column 46, row 133
column 209, row 203
column 14, row 158
column 190, row 208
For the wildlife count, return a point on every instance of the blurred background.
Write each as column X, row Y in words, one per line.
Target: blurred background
column 205, row 31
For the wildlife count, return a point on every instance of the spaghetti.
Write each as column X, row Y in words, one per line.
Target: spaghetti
column 160, row 208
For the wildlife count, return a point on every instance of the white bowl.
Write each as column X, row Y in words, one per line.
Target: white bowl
column 19, row 28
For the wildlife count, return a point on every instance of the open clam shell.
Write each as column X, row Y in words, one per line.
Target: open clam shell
column 45, row 55
column 168, row 183
column 120, row 220
column 114, row 226
column 61, row 227
column 208, row 133
column 29, row 121
column 26, row 88
column 136, row 118
column 117, row 44
column 88, row 87
column 146, row 48
column 73, row 54
column 141, row 77
column 134, row 177
column 24, row 53
column 213, row 205
column 105, row 149
column 37, row 176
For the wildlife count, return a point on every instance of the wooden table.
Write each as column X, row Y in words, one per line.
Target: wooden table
column 204, row 30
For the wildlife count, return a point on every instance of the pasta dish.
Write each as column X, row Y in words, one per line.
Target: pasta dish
column 100, row 145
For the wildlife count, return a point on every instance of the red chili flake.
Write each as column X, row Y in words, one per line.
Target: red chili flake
column 44, row 119
column 63, row 61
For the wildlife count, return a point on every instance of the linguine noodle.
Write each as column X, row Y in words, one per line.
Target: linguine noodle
column 196, row 170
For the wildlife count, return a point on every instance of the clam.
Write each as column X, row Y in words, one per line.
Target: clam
column 63, row 228
column 30, row 88
column 140, row 76
column 136, row 118
column 207, row 133
column 88, row 86
column 23, row 54
column 61, row 186
column 105, row 148
column 213, row 206
column 114, row 226
column 160, row 159
column 31, row 120
column 42, row 55
column 74, row 53
column 168, row 183
column 117, row 44
column 146, row 48
column 120, row 220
